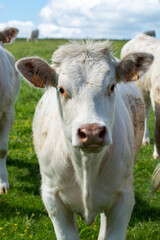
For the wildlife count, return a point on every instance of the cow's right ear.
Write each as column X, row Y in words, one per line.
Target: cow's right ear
column 37, row 72
column 133, row 66
column 8, row 34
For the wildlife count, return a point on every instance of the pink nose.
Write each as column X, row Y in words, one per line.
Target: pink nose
column 92, row 135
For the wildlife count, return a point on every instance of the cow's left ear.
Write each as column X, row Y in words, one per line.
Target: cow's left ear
column 133, row 66
column 36, row 71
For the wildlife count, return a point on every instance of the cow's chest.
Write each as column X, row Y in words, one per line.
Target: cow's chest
column 100, row 199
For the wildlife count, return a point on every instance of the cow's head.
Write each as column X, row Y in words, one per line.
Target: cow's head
column 8, row 34
column 85, row 75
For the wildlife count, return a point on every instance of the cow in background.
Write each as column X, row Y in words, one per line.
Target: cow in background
column 33, row 35
column 87, row 130
column 9, row 89
column 151, row 33
column 149, row 84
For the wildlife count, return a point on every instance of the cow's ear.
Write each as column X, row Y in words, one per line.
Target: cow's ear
column 38, row 72
column 133, row 66
column 8, row 34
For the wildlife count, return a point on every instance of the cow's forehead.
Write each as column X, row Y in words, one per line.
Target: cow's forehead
column 90, row 72
column 82, row 51
column 85, row 62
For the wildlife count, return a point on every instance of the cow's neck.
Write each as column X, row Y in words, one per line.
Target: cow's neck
column 86, row 168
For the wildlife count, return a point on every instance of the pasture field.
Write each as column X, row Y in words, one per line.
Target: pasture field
column 22, row 213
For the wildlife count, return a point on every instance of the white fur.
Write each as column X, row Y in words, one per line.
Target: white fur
column 149, row 84
column 79, row 92
column 74, row 181
column 33, row 35
column 9, row 88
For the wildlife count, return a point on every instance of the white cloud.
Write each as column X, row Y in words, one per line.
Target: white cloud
column 115, row 19
column 54, row 31
column 24, row 27
column 98, row 18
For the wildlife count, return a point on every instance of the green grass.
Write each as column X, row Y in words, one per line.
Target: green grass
column 22, row 213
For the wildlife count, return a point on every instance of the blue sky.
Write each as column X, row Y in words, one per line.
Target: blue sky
column 111, row 19
column 22, row 10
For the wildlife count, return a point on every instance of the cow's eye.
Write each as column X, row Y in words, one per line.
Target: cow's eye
column 62, row 91
column 111, row 89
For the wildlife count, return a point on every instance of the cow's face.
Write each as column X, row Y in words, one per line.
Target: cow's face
column 86, row 99
column 85, row 82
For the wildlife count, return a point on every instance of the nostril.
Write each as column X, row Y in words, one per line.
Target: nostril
column 102, row 133
column 81, row 134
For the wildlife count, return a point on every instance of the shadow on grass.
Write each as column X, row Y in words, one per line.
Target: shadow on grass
column 24, row 195
column 30, row 181
column 143, row 211
column 8, row 211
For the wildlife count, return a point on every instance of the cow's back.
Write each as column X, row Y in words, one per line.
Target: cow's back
column 134, row 101
column 143, row 43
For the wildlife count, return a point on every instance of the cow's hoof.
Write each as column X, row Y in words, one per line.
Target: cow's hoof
column 146, row 142
column 155, row 156
column 4, row 189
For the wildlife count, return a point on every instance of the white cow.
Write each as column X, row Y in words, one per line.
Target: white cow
column 33, row 35
column 149, row 84
column 9, row 88
column 87, row 134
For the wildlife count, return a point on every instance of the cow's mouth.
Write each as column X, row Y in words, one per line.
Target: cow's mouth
column 93, row 148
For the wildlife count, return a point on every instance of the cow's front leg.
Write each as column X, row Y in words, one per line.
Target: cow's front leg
column 62, row 218
column 6, row 121
column 156, row 106
column 146, row 138
column 156, row 153
column 103, row 227
column 4, row 184
column 114, row 226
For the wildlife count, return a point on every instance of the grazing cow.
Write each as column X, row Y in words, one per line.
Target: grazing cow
column 151, row 33
column 87, row 134
column 149, row 84
column 9, row 88
column 33, row 35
